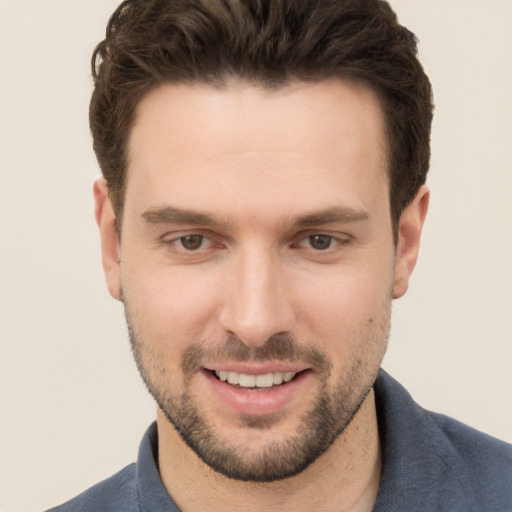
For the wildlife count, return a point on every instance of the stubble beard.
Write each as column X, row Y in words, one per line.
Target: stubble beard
column 328, row 417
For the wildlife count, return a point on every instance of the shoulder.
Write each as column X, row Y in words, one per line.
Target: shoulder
column 472, row 443
column 486, row 462
column 119, row 492
column 435, row 460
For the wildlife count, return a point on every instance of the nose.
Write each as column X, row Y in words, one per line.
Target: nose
column 256, row 303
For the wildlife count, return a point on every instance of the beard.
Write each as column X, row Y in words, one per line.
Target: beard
column 332, row 410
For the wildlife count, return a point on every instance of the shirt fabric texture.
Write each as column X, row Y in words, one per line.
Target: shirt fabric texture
column 430, row 463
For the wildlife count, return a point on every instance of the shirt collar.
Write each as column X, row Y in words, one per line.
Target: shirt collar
column 421, row 470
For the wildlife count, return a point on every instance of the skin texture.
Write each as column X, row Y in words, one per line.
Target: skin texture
column 257, row 235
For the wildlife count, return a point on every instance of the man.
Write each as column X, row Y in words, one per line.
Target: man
column 262, row 204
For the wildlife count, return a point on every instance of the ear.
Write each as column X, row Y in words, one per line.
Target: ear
column 409, row 234
column 110, row 251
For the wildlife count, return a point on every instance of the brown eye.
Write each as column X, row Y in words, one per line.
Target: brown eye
column 192, row 242
column 320, row 242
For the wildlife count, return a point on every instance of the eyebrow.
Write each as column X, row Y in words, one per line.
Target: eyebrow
column 172, row 215
column 343, row 215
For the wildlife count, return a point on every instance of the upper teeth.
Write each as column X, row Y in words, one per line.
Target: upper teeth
column 259, row 381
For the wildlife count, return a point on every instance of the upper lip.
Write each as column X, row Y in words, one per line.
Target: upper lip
column 257, row 368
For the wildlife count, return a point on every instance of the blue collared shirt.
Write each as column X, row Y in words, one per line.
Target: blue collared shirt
column 430, row 463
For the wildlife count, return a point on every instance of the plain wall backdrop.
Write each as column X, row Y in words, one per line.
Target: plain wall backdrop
column 73, row 408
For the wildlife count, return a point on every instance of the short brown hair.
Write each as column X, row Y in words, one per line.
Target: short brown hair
column 269, row 42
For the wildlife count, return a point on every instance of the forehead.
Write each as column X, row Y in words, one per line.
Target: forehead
column 256, row 140
column 244, row 107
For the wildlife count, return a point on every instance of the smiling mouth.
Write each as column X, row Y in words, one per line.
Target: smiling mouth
column 244, row 380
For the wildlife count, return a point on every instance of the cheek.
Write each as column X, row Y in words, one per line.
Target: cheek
column 345, row 308
column 169, row 306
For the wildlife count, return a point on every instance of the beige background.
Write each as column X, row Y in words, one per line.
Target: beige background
column 72, row 405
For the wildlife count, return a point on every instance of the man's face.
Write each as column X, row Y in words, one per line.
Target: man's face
column 257, row 266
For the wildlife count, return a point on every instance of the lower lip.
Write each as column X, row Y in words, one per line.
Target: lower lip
column 257, row 401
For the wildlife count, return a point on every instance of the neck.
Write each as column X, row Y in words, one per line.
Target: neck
column 345, row 478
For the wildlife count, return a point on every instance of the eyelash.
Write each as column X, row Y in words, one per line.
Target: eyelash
column 332, row 242
column 179, row 242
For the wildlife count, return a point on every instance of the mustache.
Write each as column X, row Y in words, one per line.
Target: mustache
column 279, row 347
